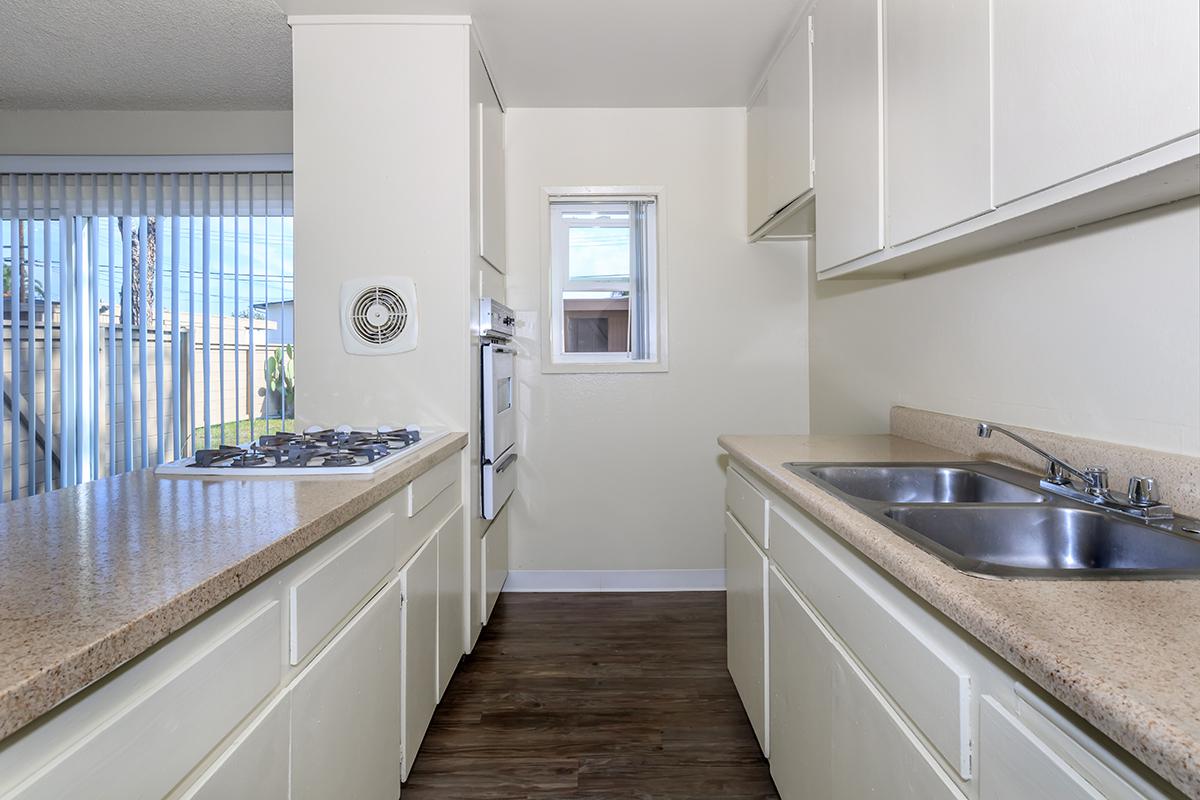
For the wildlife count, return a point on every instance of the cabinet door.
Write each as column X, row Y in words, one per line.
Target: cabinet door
column 848, row 130
column 418, row 675
column 451, row 604
column 255, row 767
column 1013, row 762
column 789, row 118
column 346, row 709
column 1080, row 84
column 757, row 209
column 745, row 624
column 495, row 562
column 491, row 176
column 801, row 660
column 939, row 166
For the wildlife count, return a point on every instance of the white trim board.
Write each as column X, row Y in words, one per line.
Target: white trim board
column 616, row 580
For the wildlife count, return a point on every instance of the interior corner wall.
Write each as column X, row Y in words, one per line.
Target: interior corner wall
column 623, row 471
column 381, row 133
column 144, row 133
column 1094, row 333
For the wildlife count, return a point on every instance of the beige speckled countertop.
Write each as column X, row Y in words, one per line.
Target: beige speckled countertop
column 1124, row 655
column 93, row 575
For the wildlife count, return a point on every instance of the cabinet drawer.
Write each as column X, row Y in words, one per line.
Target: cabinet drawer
column 747, row 506
column 415, row 530
column 931, row 688
column 151, row 745
column 1015, row 763
column 425, row 488
column 329, row 591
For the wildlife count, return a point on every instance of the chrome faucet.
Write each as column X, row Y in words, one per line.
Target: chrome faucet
column 1141, row 500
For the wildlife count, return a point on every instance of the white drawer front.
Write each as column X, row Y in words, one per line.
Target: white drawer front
column 1014, row 763
column 331, row 590
column 747, row 506
column 931, row 688
column 415, row 530
column 425, row 488
column 149, row 747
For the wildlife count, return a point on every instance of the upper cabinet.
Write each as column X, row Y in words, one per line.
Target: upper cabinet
column 491, row 166
column 1081, row 84
column 848, row 129
column 939, row 166
column 779, row 142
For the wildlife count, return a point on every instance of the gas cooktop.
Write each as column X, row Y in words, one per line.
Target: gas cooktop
column 344, row 450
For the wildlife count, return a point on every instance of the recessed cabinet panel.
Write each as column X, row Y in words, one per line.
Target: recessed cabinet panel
column 1080, row 84
column 938, row 115
column 346, row 709
column 745, row 609
column 848, row 130
column 789, row 135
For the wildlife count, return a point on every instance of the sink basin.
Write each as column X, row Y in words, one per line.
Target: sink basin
column 1048, row 540
column 920, row 484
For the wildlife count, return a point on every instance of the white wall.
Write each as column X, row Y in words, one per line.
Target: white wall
column 381, row 188
column 622, row 471
column 138, row 133
column 1094, row 333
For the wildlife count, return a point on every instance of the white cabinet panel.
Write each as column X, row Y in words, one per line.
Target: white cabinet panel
column 491, row 176
column 451, row 603
column 848, row 130
column 939, row 160
column 1014, row 763
column 801, row 664
column 789, row 119
column 874, row 753
column 757, row 208
column 147, row 749
column 747, row 505
column 418, row 675
column 745, row 628
column 495, row 562
column 255, row 767
column 1080, row 84
column 346, row 709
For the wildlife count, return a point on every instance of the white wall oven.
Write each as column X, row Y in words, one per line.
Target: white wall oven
column 499, row 424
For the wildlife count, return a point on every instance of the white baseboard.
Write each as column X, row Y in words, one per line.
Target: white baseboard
column 616, row 580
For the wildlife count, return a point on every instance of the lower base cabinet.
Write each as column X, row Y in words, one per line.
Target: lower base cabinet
column 418, row 632
column 346, row 709
column 495, row 562
column 256, row 765
column 745, row 624
column 452, row 583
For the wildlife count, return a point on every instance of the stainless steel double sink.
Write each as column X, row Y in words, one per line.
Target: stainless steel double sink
column 990, row 520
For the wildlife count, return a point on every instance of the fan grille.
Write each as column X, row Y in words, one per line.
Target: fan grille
column 378, row 315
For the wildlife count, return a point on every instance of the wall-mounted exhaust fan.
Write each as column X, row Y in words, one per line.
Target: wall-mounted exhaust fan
column 379, row 316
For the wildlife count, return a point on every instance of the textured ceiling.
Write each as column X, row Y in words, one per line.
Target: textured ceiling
column 144, row 54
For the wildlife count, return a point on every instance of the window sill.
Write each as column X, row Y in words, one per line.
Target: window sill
column 586, row 367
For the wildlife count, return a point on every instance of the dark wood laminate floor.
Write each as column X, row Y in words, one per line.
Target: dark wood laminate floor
column 594, row 696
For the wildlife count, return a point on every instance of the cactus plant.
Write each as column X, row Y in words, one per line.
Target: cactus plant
column 280, row 374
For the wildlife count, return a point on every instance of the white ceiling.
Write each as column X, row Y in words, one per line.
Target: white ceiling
column 144, row 54
column 615, row 53
column 236, row 54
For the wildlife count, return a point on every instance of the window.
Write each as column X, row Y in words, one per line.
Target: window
column 144, row 316
column 605, row 283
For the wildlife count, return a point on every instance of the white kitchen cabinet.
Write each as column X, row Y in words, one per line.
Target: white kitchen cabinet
column 1018, row 764
column 758, row 210
column 346, row 736
column 452, row 584
column 939, row 117
column 256, row 764
column 495, row 562
column 491, row 172
column 848, row 130
column 801, row 669
column 1080, row 84
column 418, row 632
column 745, row 611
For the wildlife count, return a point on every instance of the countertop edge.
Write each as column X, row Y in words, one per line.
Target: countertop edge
column 25, row 701
column 1172, row 756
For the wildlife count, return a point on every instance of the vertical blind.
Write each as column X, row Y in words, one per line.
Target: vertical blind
column 145, row 316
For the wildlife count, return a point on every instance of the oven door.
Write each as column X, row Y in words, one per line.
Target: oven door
column 499, row 415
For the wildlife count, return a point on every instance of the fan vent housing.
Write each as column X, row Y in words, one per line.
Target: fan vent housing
column 379, row 316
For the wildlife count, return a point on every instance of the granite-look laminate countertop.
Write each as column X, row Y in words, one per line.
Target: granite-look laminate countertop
column 93, row 575
column 1124, row 655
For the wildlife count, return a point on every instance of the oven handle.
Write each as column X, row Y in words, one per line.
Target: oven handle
column 500, row 348
column 506, row 463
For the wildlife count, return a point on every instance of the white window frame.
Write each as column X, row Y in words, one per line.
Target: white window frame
column 554, row 359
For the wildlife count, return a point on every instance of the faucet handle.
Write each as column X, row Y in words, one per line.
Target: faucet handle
column 1056, row 474
column 1097, row 478
column 1143, row 491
